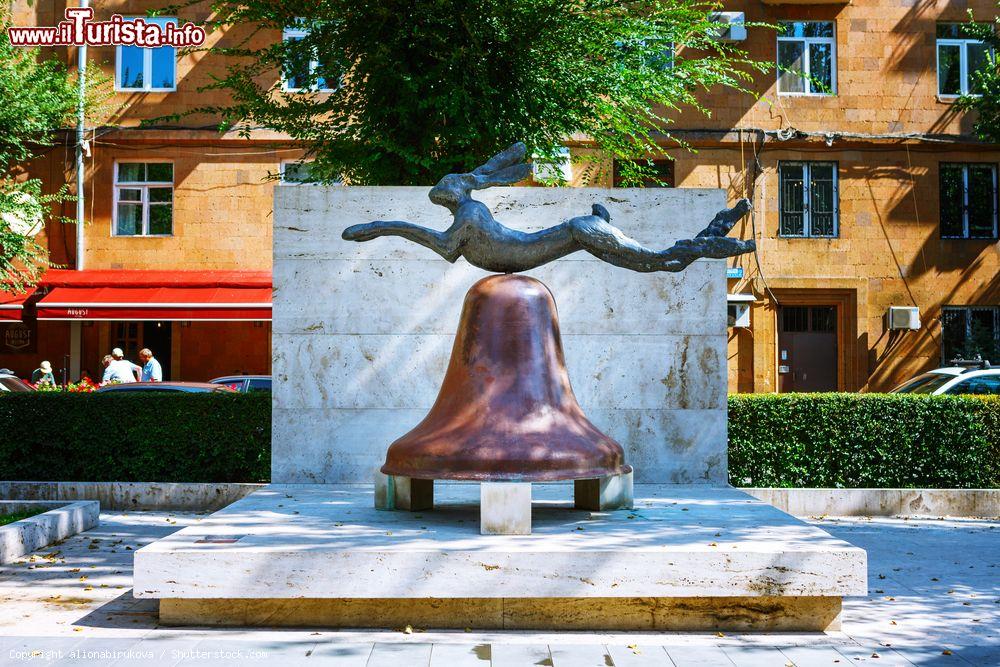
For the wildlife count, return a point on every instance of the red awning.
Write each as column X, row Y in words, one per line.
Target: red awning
column 12, row 305
column 156, row 295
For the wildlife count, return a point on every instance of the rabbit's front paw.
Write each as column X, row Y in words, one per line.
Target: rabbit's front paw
column 364, row 232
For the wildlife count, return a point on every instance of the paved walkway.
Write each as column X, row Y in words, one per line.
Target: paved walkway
column 934, row 600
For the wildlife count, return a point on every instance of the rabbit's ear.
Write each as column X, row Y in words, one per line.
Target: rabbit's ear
column 507, row 158
column 506, row 176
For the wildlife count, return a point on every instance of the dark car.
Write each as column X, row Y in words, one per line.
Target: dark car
column 245, row 383
column 186, row 387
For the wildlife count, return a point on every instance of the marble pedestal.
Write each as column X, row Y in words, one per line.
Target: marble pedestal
column 504, row 507
column 685, row 558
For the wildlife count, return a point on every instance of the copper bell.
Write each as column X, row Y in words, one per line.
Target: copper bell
column 506, row 410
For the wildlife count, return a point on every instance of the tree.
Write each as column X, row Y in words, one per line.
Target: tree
column 37, row 97
column 427, row 87
column 984, row 82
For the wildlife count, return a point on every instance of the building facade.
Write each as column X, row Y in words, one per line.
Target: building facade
column 875, row 209
column 176, row 252
column 871, row 193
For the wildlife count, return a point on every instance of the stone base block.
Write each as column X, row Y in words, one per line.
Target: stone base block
column 612, row 492
column 504, row 508
column 732, row 614
column 393, row 492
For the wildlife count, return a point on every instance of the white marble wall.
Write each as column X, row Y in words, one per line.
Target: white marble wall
column 363, row 331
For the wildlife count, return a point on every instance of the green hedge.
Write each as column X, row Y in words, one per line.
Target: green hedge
column 864, row 440
column 817, row 440
column 135, row 437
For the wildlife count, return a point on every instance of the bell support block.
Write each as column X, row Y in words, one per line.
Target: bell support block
column 393, row 492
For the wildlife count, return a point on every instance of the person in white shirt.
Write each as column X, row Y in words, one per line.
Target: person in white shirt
column 151, row 370
column 120, row 369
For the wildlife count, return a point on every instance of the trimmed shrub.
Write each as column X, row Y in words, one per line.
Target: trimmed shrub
column 135, row 437
column 864, row 440
column 783, row 440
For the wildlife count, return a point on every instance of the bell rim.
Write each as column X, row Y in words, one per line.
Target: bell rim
column 483, row 476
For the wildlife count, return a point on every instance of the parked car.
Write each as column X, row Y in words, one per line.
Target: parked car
column 245, row 383
column 187, row 387
column 963, row 377
column 12, row 383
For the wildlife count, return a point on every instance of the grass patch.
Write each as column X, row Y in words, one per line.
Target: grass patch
column 17, row 516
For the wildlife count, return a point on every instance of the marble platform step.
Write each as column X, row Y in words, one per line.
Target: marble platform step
column 685, row 558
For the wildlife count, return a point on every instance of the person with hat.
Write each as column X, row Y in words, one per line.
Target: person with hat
column 43, row 375
column 120, row 370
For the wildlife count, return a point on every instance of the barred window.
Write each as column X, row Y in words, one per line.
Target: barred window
column 808, row 199
column 968, row 201
column 970, row 331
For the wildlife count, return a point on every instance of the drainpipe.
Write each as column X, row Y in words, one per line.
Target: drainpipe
column 76, row 328
column 80, row 173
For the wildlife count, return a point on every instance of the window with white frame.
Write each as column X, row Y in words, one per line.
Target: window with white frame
column 808, row 199
column 959, row 55
column 968, row 200
column 149, row 70
column 807, row 58
column 144, row 199
column 970, row 331
column 305, row 71
column 656, row 54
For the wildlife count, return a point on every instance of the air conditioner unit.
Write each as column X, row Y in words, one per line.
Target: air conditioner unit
column 738, row 310
column 905, row 318
column 732, row 26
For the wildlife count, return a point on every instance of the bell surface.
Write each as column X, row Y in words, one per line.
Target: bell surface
column 506, row 410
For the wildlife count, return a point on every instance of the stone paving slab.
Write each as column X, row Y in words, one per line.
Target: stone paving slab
column 923, row 619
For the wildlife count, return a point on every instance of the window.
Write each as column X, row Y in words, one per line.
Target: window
column 815, row 319
column 138, row 68
column 557, row 168
column 144, row 199
column 663, row 58
column 807, row 58
column 656, row 54
column 979, row 384
column 927, row 383
column 959, row 54
column 126, row 336
column 294, row 172
column 970, row 331
column 662, row 169
column 808, row 199
column 259, row 384
column 968, row 201
column 306, row 72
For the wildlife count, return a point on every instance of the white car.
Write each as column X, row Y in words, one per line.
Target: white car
column 10, row 382
column 974, row 378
